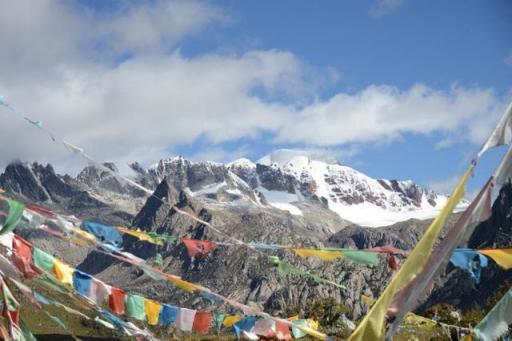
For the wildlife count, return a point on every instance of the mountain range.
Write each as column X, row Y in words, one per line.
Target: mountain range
column 286, row 197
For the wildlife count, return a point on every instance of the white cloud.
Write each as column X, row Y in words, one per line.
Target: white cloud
column 384, row 7
column 143, row 107
column 383, row 113
column 444, row 186
column 508, row 58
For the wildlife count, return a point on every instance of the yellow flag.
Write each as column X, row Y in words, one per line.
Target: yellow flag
column 84, row 234
column 501, row 256
column 139, row 234
column 368, row 300
column 325, row 255
column 187, row 286
column 313, row 324
column 152, row 310
column 63, row 272
column 372, row 326
column 314, row 333
column 416, row 319
column 231, row 320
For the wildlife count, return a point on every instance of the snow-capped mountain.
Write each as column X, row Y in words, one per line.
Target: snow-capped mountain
column 351, row 194
column 288, row 179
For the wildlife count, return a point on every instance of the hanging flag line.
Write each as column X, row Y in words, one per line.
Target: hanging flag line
column 107, row 236
column 372, row 327
column 96, row 292
column 159, row 275
column 91, row 230
column 32, row 262
column 17, row 329
column 11, row 269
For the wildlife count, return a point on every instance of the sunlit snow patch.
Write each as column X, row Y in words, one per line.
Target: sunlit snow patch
column 281, row 200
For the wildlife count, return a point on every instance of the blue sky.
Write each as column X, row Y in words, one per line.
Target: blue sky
column 395, row 88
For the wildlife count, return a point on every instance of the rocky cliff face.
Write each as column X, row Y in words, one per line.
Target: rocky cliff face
column 455, row 286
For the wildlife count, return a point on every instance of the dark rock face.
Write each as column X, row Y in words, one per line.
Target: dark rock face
column 20, row 178
column 455, row 286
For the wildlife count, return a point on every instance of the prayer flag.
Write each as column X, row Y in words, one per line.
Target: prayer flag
column 496, row 322
column 168, row 315
column 82, row 282
column 200, row 247
column 152, row 309
column 470, row 261
column 104, row 233
column 185, row 319
column 218, row 319
column 265, row 328
column 13, row 217
column 503, row 257
column 325, row 255
column 502, row 134
column 230, row 320
column 202, row 322
column 42, row 260
column 63, row 272
column 134, row 307
column 116, row 301
column 99, row 291
column 246, row 324
column 297, row 333
column 22, row 257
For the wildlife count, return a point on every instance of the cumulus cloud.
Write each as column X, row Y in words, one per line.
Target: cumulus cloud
column 385, row 112
column 384, row 7
column 67, row 66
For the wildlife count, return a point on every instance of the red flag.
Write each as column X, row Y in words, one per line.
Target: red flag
column 40, row 210
column 387, row 249
column 283, row 331
column 201, row 247
column 12, row 316
column 22, row 257
column 392, row 263
column 202, row 322
column 116, row 301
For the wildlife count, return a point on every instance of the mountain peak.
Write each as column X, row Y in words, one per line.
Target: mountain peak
column 283, row 157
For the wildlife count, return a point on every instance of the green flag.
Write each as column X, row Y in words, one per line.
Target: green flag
column 297, row 333
column 362, row 257
column 42, row 260
column 218, row 319
column 10, row 301
column 13, row 218
column 134, row 307
column 26, row 331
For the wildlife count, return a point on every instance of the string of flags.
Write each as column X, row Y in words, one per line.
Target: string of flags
column 30, row 260
column 498, row 255
column 151, row 271
column 92, row 231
